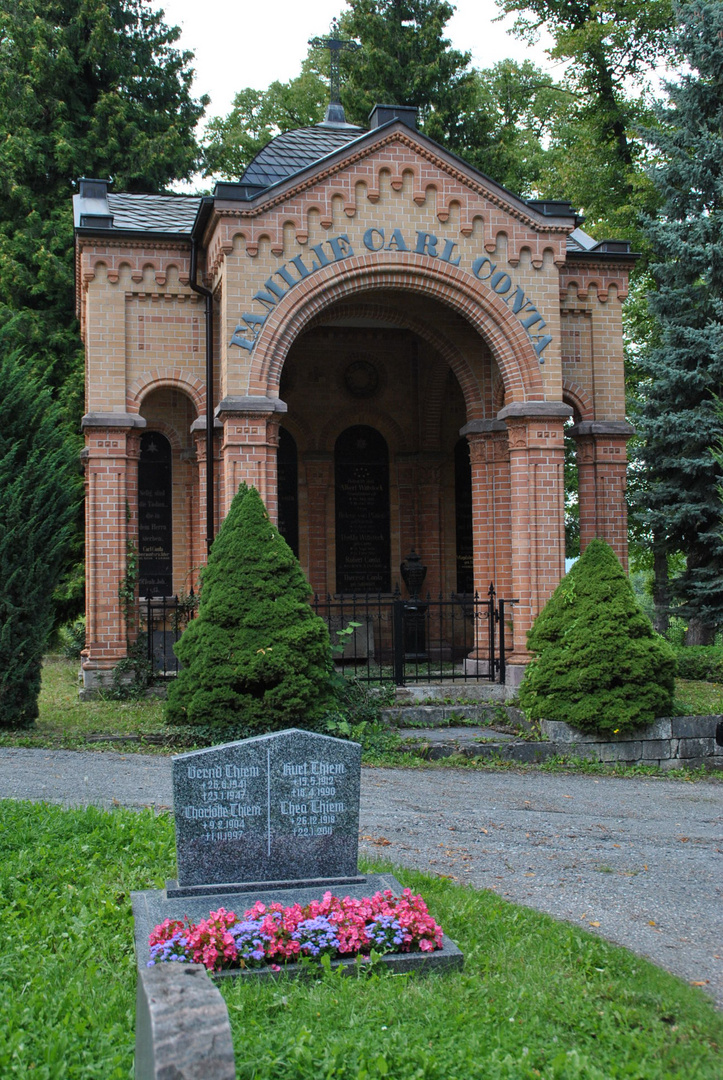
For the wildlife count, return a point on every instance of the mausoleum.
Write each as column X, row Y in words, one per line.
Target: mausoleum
column 381, row 339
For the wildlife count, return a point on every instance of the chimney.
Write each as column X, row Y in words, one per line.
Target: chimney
column 383, row 114
column 92, row 210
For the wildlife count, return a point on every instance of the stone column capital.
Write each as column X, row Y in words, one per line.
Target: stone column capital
column 533, row 411
column 251, row 405
column 111, row 421
column 608, row 429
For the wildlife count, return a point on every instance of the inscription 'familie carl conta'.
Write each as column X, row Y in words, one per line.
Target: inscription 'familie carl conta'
column 338, row 248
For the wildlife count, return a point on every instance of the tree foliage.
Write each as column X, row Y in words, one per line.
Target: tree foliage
column 599, row 665
column 232, row 141
column 87, row 87
column 609, row 48
column 256, row 658
column 681, row 421
column 405, row 59
column 40, row 491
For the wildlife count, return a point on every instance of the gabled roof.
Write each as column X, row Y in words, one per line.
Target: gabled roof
column 154, row 213
column 295, row 158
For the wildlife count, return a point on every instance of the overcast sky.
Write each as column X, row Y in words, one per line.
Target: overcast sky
column 243, row 44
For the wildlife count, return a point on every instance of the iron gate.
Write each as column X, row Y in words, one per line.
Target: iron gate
column 389, row 639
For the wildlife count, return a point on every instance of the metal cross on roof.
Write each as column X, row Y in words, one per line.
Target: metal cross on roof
column 335, row 45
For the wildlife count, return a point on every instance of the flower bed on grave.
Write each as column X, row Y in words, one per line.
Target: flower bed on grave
column 273, row 935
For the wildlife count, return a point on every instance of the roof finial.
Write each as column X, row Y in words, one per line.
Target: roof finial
column 335, row 45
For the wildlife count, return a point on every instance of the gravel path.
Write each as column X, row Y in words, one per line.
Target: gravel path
column 642, row 858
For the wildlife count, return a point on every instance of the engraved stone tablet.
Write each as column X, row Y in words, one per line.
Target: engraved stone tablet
column 281, row 807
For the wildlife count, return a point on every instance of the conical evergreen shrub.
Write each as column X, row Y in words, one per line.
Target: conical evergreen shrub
column 600, row 666
column 256, row 658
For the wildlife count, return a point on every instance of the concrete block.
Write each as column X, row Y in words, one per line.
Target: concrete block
column 182, row 1026
column 695, row 727
column 528, row 752
column 558, row 731
column 514, row 675
column 696, row 748
column 482, row 714
column 661, row 728
column 621, row 751
column 656, row 749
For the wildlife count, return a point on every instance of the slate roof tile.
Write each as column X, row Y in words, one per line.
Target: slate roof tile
column 293, row 151
column 154, row 213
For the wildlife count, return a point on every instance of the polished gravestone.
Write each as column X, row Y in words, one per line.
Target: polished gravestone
column 271, row 809
column 272, row 818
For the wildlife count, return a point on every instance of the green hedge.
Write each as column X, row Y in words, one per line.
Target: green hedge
column 703, row 663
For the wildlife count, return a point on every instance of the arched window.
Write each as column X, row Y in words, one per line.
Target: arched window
column 155, row 516
column 463, row 517
column 361, row 475
column 287, row 467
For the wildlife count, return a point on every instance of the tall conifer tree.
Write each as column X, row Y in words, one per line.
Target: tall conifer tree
column 40, row 491
column 681, row 423
column 87, row 88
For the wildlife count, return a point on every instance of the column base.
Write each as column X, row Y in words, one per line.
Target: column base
column 514, row 674
column 97, row 676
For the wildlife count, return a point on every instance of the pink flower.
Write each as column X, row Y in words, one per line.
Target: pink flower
column 212, row 941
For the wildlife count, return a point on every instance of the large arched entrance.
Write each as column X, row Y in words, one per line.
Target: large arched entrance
column 382, row 383
column 425, row 358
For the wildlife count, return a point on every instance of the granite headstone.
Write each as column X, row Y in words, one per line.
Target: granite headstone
column 269, row 819
column 276, row 808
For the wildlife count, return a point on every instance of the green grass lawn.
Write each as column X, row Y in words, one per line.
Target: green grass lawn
column 537, row 998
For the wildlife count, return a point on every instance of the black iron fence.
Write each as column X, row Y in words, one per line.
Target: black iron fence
column 162, row 620
column 378, row 638
column 389, row 639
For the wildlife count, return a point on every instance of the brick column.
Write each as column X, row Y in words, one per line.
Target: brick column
column 490, row 464
column 248, row 451
column 537, row 513
column 601, row 472
column 111, row 521
column 198, row 431
column 319, row 469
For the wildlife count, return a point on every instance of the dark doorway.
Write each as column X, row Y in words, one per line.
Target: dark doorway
column 463, row 517
column 287, row 465
column 361, row 475
column 155, row 516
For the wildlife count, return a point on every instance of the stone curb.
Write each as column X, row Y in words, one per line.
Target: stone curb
column 668, row 743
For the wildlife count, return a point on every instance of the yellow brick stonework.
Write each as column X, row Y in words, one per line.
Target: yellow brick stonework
column 394, row 289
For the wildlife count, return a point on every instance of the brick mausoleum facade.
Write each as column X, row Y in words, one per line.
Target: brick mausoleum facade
column 397, row 344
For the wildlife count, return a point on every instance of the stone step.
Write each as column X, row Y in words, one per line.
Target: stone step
column 444, row 716
column 446, row 692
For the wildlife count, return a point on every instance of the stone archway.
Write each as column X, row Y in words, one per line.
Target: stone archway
column 480, row 307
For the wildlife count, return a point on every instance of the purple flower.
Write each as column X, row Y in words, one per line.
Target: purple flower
column 316, row 936
column 250, row 941
column 385, row 933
